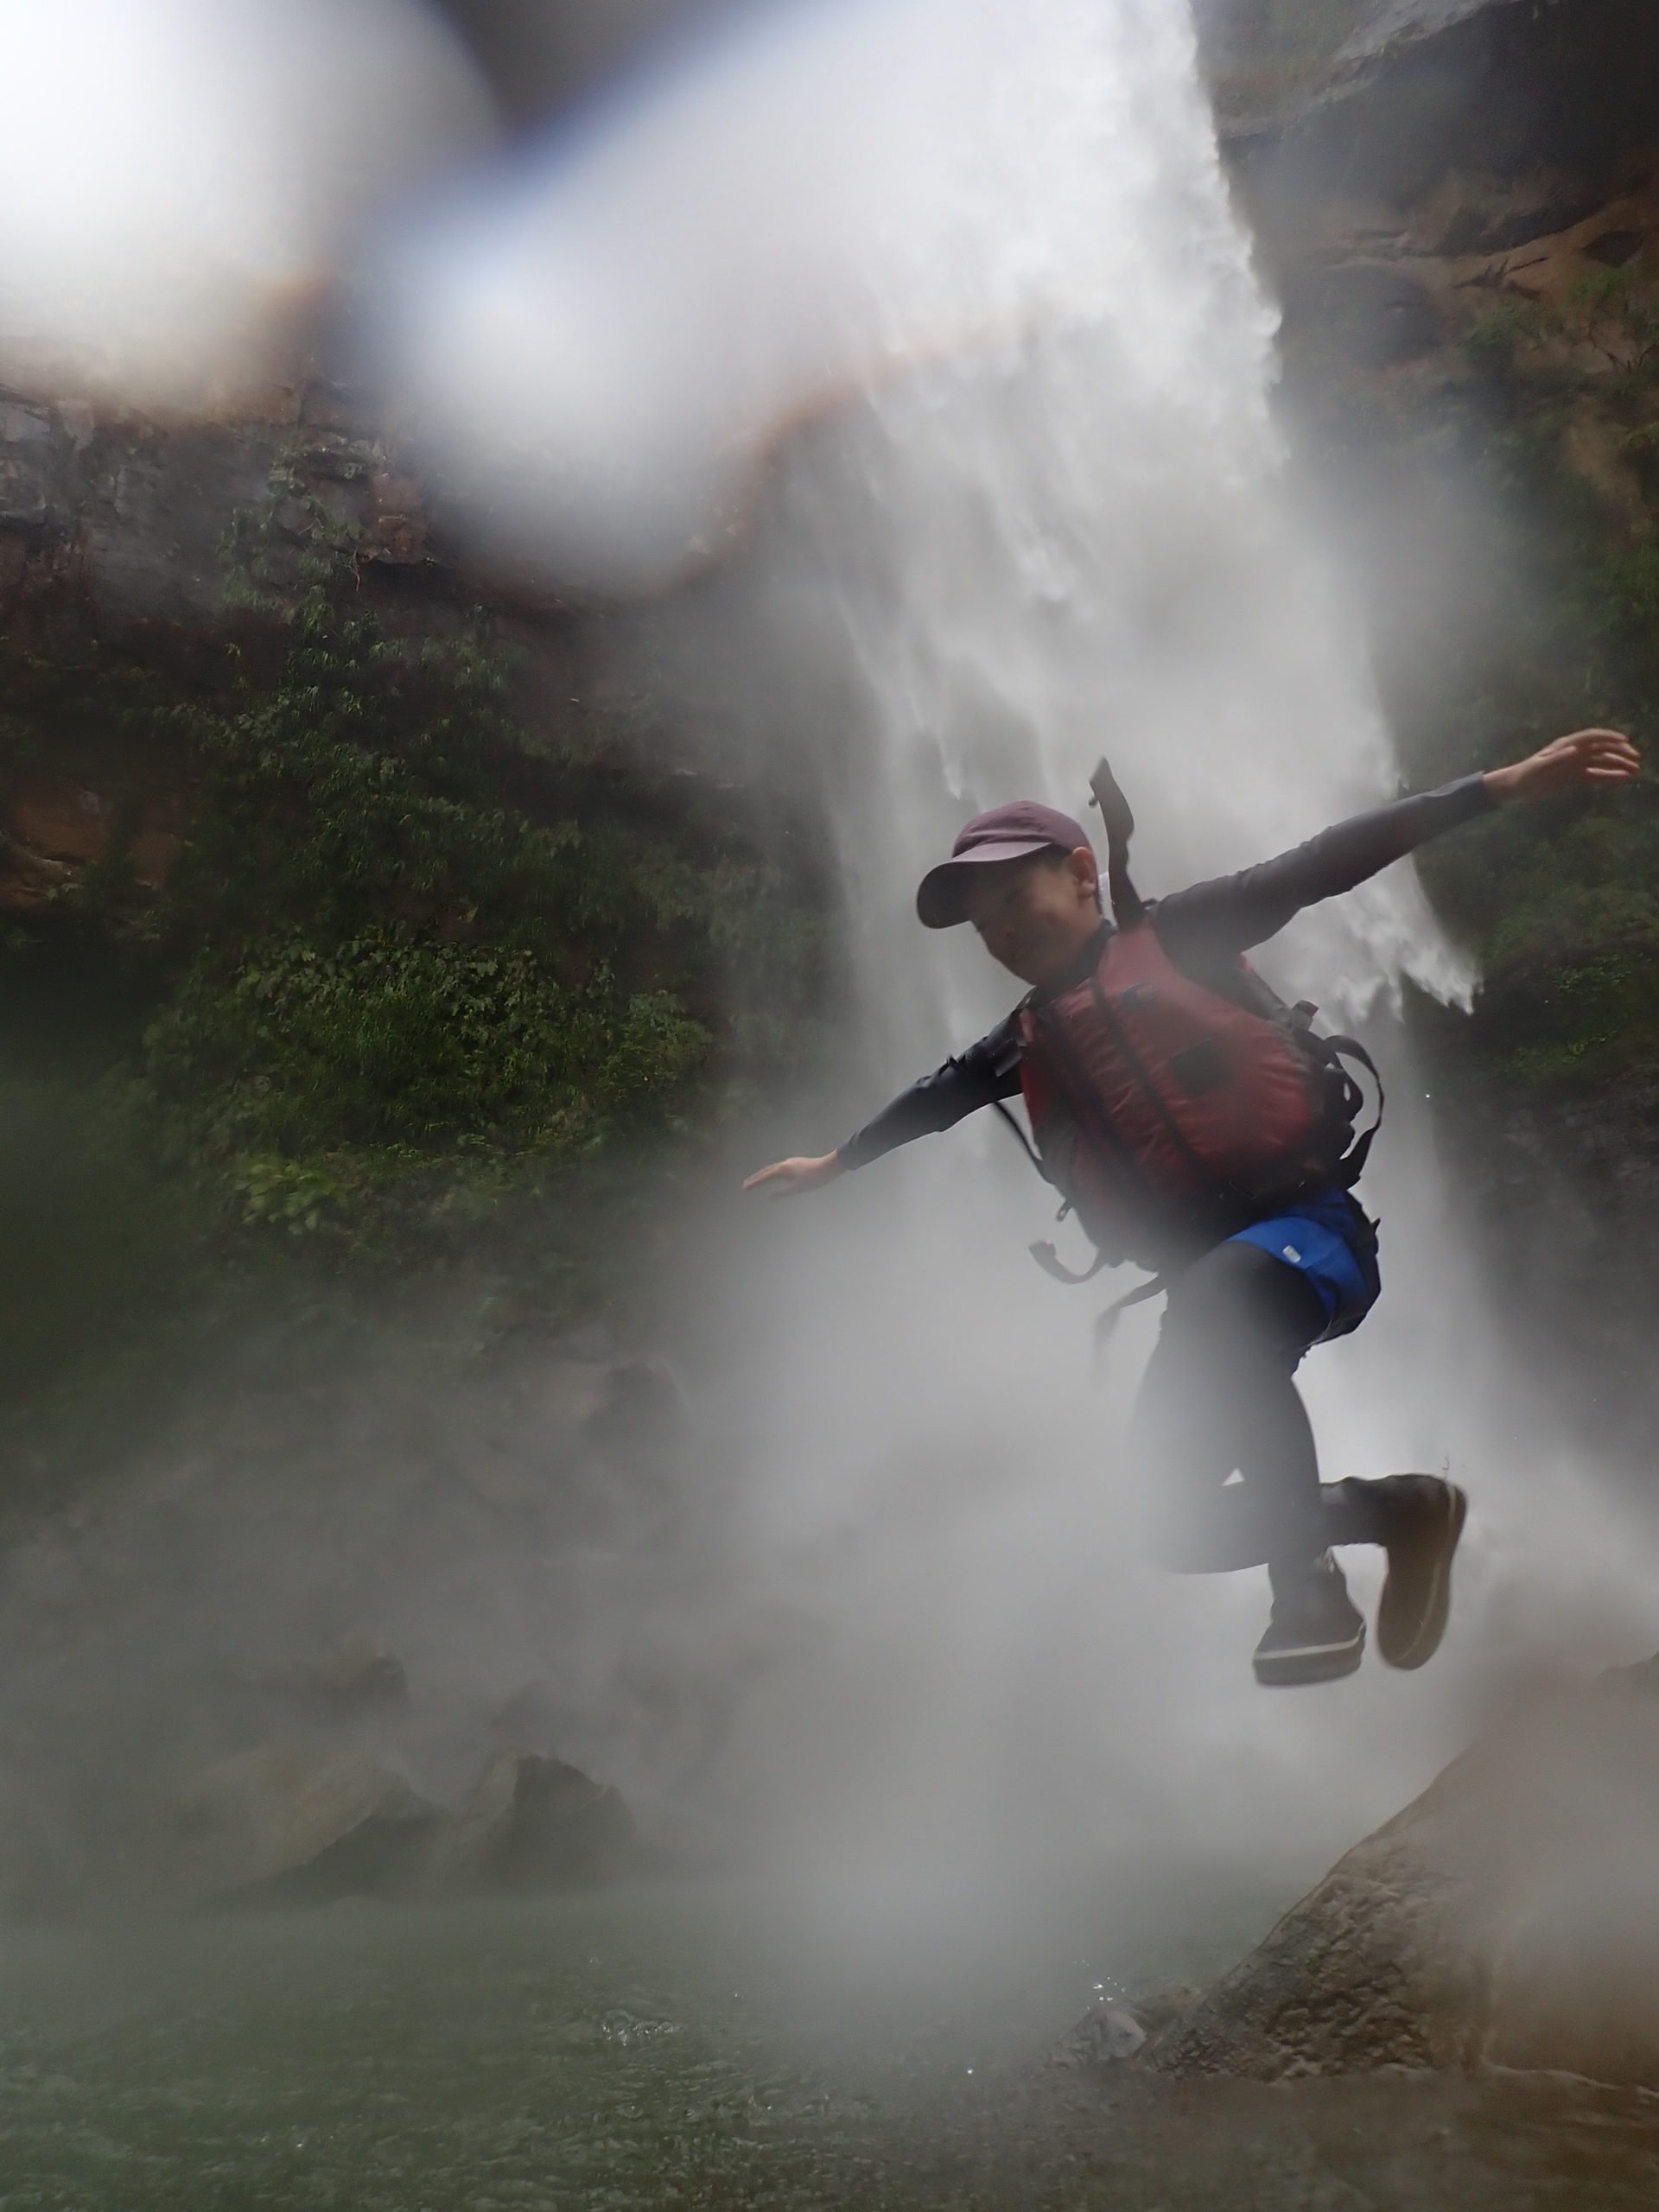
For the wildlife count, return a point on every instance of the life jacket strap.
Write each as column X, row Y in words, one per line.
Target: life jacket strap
column 1128, row 906
column 1051, row 1264
column 1106, row 1321
column 1025, row 1144
column 1351, row 1166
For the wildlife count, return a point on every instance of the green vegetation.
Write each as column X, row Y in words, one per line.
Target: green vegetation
column 1504, row 330
column 1562, row 902
column 1609, row 317
column 432, row 991
column 376, row 964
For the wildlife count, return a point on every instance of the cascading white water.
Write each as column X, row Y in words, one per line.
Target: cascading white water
column 967, row 271
column 1076, row 540
column 1073, row 536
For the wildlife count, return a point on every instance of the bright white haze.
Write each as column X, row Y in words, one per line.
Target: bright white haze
column 1067, row 530
column 175, row 174
column 605, row 339
column 1045, row 516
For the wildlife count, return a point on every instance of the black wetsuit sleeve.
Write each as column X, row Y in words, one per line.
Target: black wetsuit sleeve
column 985, row 1072
column 1236, row 911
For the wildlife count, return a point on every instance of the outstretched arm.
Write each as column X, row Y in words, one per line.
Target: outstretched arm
column 986, row 1071
column 1236, row 911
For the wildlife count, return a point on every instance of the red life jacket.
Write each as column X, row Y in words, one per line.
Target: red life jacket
column 1164, row 1111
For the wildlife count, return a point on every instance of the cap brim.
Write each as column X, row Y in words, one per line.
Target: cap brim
column 941, row 894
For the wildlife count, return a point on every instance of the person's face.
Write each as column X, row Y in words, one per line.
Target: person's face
column 1034, row 916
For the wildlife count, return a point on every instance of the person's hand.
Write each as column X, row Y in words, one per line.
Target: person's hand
column 787, row 1179
column 1587, row 756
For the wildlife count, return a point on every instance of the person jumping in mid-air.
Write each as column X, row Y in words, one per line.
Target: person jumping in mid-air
column 1203, row 1129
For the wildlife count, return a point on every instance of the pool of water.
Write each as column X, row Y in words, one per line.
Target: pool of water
column 678, row 2046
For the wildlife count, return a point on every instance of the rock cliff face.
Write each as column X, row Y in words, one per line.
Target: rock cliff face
column 1510, row 1918
column 115, row 525
column 115, row 538
column 1339, row 98
column 1406, row 162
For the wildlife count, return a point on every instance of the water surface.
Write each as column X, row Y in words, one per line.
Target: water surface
column 677, row 2047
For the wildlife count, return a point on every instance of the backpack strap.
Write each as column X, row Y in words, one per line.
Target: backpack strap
column 1334, row 1050
column 1045, row 1254
column 1025, row 1144
column 1051, row 1264
column 1106, row 1322
column 1128, row 905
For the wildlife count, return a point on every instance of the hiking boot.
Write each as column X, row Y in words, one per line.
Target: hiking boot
column 1420, row 1519
column 1315, row 1633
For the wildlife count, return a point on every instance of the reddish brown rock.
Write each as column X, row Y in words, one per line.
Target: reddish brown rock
column 1509, row 1918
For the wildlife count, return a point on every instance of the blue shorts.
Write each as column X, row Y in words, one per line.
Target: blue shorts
column 1328, row 1241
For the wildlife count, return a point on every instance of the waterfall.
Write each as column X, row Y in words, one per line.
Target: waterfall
column 1076, row 537
column 1072, row 535
column 926, row 328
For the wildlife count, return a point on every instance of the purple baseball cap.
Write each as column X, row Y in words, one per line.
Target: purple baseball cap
column 1006, row 833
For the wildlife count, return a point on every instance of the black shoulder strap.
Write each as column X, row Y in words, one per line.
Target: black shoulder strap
column 1106, row 1322
column 1025, row 1144
column 1045, row 1254
column 1051, row 1264
column 1351, row 1166
column 1128, row 905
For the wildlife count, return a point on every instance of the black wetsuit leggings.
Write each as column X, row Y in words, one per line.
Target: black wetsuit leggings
column 1222, row 1439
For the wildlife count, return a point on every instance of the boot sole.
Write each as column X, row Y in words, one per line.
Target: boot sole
column 1417, row 1648
column 1326, row 1662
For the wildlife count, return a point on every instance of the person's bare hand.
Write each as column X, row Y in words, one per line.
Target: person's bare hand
column 787, row 1179
column 1586, row 756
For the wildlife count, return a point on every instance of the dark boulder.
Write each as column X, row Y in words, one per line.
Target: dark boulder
column 532, row 1823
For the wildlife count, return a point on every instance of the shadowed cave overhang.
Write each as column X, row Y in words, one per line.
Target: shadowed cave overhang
column 1509, row 89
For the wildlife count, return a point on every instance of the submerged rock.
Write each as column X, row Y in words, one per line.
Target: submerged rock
column 285, row 1824
column 1509, row 1918
column 1102, row 2037
column 532, row 1823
